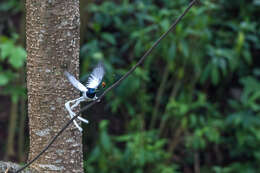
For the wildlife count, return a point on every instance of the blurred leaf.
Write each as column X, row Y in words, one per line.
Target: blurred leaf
column 3, row 79
column 109, row 38
column 214, row 75
column 6, row 49
column 17, row 57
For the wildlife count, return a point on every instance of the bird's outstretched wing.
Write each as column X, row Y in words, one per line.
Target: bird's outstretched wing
column 96, row 76
column 75, row 82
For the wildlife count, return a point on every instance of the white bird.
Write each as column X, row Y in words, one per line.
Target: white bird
column 88, row 91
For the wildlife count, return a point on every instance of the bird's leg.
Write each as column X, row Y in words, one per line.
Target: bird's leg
column 72, row 114
column 76, row 104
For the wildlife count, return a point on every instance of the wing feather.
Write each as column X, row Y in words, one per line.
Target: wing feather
column 96, row 76
column 75, row 82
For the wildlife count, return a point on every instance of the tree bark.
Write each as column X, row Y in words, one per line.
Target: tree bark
column 52, row 31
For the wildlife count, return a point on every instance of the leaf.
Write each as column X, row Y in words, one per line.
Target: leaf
column 17, row 57
column 3, row 80
column 98, row 55
column 165, row 24
column 205, row 74
column 184, row 48
column 109, row 38
column 247, row 56
column 240, row 41
column 256, row 72
column 172, row 51
column 214, row 75
column 6, row 49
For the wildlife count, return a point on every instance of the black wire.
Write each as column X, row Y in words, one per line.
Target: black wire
column 112, row 86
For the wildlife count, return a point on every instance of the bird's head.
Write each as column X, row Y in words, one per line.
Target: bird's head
column 91, row 93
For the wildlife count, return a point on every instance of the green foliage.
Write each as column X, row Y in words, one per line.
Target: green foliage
column 16, row 55
column 142, row 151
column 207, row 104
column 12, row 6
column 13, row 57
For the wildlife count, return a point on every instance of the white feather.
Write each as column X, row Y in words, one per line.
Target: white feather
column 75, row 82
column 96, row 76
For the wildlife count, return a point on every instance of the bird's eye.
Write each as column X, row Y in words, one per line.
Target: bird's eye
column 103, row 84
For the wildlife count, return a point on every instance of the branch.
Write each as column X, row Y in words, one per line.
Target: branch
column 173, row 26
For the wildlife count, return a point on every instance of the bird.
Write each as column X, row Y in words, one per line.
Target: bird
column 94, row 80
column 89, row 91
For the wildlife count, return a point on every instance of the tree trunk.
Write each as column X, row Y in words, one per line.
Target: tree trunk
column 52, row 31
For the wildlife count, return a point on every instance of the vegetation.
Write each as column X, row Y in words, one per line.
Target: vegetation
column 193, row 106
